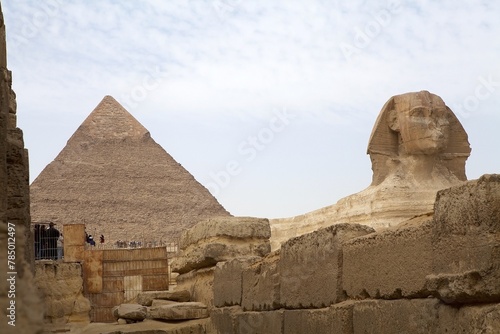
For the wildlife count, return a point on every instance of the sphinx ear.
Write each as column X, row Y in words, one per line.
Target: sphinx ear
column 393, row 120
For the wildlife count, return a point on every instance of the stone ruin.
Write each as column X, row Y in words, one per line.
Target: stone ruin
column 21, row 307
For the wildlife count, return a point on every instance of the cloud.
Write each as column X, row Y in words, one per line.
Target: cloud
column 333, row 63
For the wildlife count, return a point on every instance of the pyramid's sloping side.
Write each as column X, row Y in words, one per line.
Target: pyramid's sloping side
column 124, row 188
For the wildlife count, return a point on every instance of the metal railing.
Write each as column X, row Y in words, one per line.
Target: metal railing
column 49, row 243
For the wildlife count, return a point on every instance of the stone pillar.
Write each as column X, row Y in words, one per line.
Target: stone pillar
column 19, row 293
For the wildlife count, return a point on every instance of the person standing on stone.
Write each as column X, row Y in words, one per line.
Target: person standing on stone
column 52, row 235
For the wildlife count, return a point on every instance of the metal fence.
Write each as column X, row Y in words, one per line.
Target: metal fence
column 115, row 276
column 49, row 243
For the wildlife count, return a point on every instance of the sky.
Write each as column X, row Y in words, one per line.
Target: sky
column 269, row 104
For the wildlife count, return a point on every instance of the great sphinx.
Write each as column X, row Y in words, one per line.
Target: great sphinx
column 417, row 147
column 417, row 140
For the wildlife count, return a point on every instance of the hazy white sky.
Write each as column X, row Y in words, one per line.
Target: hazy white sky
column 269, row 104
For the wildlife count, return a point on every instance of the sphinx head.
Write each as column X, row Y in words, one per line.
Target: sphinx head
column 417, row 125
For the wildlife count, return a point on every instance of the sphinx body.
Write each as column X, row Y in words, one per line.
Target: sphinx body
column 417, row 147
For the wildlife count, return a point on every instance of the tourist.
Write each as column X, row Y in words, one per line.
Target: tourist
column 38, row 242
column 43, row 242
column 60, row 247
column 91, row 240
column 102, row 239
column 52, row 235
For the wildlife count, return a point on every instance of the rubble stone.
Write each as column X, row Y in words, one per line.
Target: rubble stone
column 130, row 312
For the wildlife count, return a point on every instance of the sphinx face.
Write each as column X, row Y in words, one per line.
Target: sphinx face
column 424, row 130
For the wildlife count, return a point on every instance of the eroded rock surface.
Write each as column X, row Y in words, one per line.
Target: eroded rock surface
column 221, row 239
column 146, row 298
column 179, row 311
column 134, row 312
column 465, row 242
column 22, row 310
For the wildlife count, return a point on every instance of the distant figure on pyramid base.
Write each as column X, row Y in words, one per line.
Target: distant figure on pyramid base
column 89, row 239
column 102, row 239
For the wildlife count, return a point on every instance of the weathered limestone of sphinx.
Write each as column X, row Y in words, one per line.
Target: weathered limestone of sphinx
column 417, row 147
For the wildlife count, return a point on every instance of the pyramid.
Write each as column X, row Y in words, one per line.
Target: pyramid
column 115, row 178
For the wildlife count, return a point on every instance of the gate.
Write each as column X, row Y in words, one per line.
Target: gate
column 116, row 276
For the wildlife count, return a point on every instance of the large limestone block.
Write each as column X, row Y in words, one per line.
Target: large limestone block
column 223, row 318
column 389, row 264
column 231, row 227
column 60, row 285
column 261, row 284
column 233, row 320
column 209, row 252
column 179, row 311
column 470, row 319
column 199, row 283
column 222, row 239
column 228, row 281
column 311, row 266
column 159, row 302
column 81, row 307
column 334, row 319
column 130, row 311
column 466, row 247
column 260, row 322
column 409, row 316
column 146, row 298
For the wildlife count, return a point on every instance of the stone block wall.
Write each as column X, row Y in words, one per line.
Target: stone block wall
column 309, row 261
column 214, row 241
column 61, row 286
column 391, row 264
column 435, row 273
column 21, row 307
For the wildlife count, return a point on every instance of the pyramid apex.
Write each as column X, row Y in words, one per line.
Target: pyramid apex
column 110, row 120
column 109, row 99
